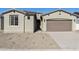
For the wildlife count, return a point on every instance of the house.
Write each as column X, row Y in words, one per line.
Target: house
column 59, row 20
column 13, row 21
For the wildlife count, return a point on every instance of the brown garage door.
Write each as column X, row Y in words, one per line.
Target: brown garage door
column 59, row 25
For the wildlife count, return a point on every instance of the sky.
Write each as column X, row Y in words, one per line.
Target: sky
column 42, row 10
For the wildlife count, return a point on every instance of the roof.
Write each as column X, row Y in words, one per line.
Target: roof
column 60, row 11
column 31, row 12
column 23, row 12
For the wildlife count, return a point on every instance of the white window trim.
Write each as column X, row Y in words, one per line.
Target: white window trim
column 14, row 20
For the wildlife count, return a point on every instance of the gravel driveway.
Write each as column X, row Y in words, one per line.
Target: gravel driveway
column 66, row 40
column 27, row 41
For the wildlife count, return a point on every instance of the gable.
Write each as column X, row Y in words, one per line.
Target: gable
column 60, row 11
column 27, row 13
column 12, row 11
column 59, row 14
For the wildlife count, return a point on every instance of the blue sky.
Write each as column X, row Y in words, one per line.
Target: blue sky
column 43, row 10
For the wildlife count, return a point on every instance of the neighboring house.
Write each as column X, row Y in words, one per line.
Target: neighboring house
column 13, row 21
column 59, row 20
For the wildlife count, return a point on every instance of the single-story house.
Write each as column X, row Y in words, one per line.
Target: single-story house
column 59, row 20
column 13, row 21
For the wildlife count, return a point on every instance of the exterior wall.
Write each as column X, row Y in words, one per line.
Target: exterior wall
column 77, row 26
column 29, row 24
column 74, row 24
column 38, row 16
column 56, row 15
column 0, row 24
column 77, row 23
column 9, row 28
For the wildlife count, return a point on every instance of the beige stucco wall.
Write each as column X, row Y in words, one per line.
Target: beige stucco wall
column 77, row 23
column 29, row 24
column 9, row 28
column 56, row 15
column 24, row 24
column 0, row 24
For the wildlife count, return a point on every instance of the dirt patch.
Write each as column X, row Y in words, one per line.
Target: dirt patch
column 27, row 41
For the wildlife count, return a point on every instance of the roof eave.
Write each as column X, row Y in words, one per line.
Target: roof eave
column 58, row 10
column 13, row 11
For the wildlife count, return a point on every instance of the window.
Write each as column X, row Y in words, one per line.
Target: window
column 16, row 20
column 28, row 17
column 13, row 19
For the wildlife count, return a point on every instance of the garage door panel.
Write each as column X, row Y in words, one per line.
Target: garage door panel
column 59, row 25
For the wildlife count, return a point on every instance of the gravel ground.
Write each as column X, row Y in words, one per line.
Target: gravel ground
column 27, row 41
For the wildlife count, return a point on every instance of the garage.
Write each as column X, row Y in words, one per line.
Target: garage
column 58, row 20
column 59, row 25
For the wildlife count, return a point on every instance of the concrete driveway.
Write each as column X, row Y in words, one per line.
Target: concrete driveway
column 66, row 40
